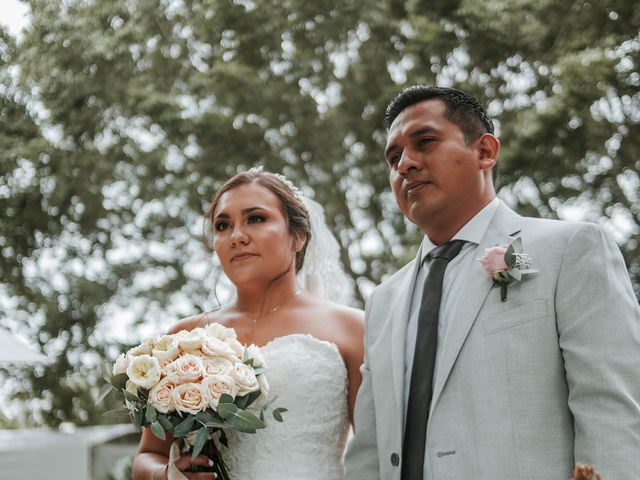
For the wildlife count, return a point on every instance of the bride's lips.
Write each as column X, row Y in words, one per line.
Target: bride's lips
column 240, row 256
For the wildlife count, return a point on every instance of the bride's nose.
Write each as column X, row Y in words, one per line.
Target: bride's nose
column 239, row 236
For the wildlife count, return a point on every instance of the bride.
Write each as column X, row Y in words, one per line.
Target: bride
column 277, row 253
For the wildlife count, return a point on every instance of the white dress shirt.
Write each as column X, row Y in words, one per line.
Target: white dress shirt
column 472, row 232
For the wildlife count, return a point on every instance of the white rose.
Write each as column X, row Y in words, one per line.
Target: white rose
column 236, row 346
column 217, row 366
column 144, row 348
column 245, row 379
column 161, row 396
column 121, row 364
column 144, row 371
column 185, row 369
column 214, row 386
column 214, row 347
column 166, row 348
column 188, row 398
column 253, row 351
column 190, row 339
column 264, row 386
column 220, row 331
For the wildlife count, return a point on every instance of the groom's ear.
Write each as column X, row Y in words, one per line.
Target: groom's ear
column 488, row 150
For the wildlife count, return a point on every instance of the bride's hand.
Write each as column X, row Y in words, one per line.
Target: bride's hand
column 179, row 463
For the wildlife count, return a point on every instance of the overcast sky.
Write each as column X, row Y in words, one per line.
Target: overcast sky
column 12, row 15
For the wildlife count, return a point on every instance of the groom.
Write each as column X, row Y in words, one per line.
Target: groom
column 481, row 381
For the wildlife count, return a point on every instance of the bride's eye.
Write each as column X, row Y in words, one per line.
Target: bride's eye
column 220, row 226
column 256, row 219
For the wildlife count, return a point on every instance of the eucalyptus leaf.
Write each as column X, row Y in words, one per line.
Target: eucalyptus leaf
column 509, row 257
column 119, row 381
column 137, row 418
column 201, row 439
column 166, row 423
column 150, row 413
column 225, row 398
column 277, row 413
column 246, row 400
column 227, row 410
column 121, row 412
column 245, row 421
column 158, row 431
column 184, row 427
column 204, row 417
column 130, row 396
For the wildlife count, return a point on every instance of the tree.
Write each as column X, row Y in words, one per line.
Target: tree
column 120, row 119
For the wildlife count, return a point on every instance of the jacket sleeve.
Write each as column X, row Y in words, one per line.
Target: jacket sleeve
column 598, row 321
column 361, row 459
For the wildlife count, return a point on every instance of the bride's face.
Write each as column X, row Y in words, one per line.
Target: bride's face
column 251, row 235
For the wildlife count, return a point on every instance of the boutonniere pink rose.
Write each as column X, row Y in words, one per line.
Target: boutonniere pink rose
column 506, row 264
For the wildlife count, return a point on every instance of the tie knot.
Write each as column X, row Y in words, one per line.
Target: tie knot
column 447, row 251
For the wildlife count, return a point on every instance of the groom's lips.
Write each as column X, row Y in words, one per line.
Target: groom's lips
column 413, row 187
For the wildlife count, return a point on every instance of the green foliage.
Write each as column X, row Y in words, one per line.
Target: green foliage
column 119, row 119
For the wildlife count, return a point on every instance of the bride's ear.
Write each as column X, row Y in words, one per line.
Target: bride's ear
column 299, row 239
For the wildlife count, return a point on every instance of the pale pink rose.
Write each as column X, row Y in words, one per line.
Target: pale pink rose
column 253, row 351
column 214, row 386
column 144, row 348
column 245, row 379
column 161, row 396
column 190, row 339
column 220, row 331
column 187, row 368
column 214, row 347
column 188, row 398
column 121, row 364
column 236, row 346
column 144, row 371
column 217, row 366
column 493, row 259
column 166, row 348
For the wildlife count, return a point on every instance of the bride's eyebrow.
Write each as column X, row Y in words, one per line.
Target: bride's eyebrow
column 244, row 212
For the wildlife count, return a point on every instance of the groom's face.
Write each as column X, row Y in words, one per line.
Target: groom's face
column 434, row 174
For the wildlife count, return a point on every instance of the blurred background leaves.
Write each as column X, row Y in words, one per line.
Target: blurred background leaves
column 119, row 119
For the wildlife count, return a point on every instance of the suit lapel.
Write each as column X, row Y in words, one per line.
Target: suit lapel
column 503, row 228
column 399, row 320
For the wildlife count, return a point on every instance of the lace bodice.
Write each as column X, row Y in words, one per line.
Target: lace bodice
column 310, row 379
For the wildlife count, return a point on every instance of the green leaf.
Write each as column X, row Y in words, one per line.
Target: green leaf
column 118, row 413
column 509, row 257
column 130, row 396
column 245, row 421
column 166, row 423
column 150, row 413
column 204, row 417
column 137, row 418
column 184, row 426
column 225, row 398
column 158, row 431
column 246, row 400
column 119, row 381
column 226, row 410
column 104, row 391
column 201, row 438
column 277, row 413
column 106, row 372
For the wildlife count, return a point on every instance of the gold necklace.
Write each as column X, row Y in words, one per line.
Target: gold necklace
column 255, row 318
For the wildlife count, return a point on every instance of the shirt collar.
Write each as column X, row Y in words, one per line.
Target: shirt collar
column 472, row 231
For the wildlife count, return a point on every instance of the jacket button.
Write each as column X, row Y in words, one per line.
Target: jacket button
column 395, row 459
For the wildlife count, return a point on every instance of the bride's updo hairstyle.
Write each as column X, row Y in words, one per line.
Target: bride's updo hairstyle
column 294, row 211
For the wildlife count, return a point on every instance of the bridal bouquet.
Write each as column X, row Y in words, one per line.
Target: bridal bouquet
column 193, row 384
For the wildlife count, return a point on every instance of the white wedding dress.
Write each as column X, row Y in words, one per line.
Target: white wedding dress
column 310, row 379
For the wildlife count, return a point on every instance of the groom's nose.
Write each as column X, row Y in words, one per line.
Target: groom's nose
column 408, row 161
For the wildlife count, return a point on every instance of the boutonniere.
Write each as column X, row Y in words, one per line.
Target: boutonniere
column 506, row 264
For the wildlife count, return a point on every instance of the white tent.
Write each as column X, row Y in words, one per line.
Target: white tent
column 13, row 350
column 88, row 453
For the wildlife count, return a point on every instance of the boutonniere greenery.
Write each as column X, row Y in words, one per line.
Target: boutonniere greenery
column 506, row 264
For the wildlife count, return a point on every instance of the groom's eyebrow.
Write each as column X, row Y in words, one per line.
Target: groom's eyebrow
column 414, row 134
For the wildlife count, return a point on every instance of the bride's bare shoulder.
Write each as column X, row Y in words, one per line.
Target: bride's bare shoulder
column 198, row 320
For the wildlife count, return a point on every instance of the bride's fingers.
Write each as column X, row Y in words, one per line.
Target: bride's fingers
column 201, row 476
column 202, row 460
column 184, row 461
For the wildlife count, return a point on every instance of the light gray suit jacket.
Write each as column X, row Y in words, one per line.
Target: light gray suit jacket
column 525, row 388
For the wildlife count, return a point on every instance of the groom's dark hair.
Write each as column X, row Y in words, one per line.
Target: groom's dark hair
column 461, row 109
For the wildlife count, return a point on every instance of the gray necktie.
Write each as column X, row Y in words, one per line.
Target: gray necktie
column 424, row 357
